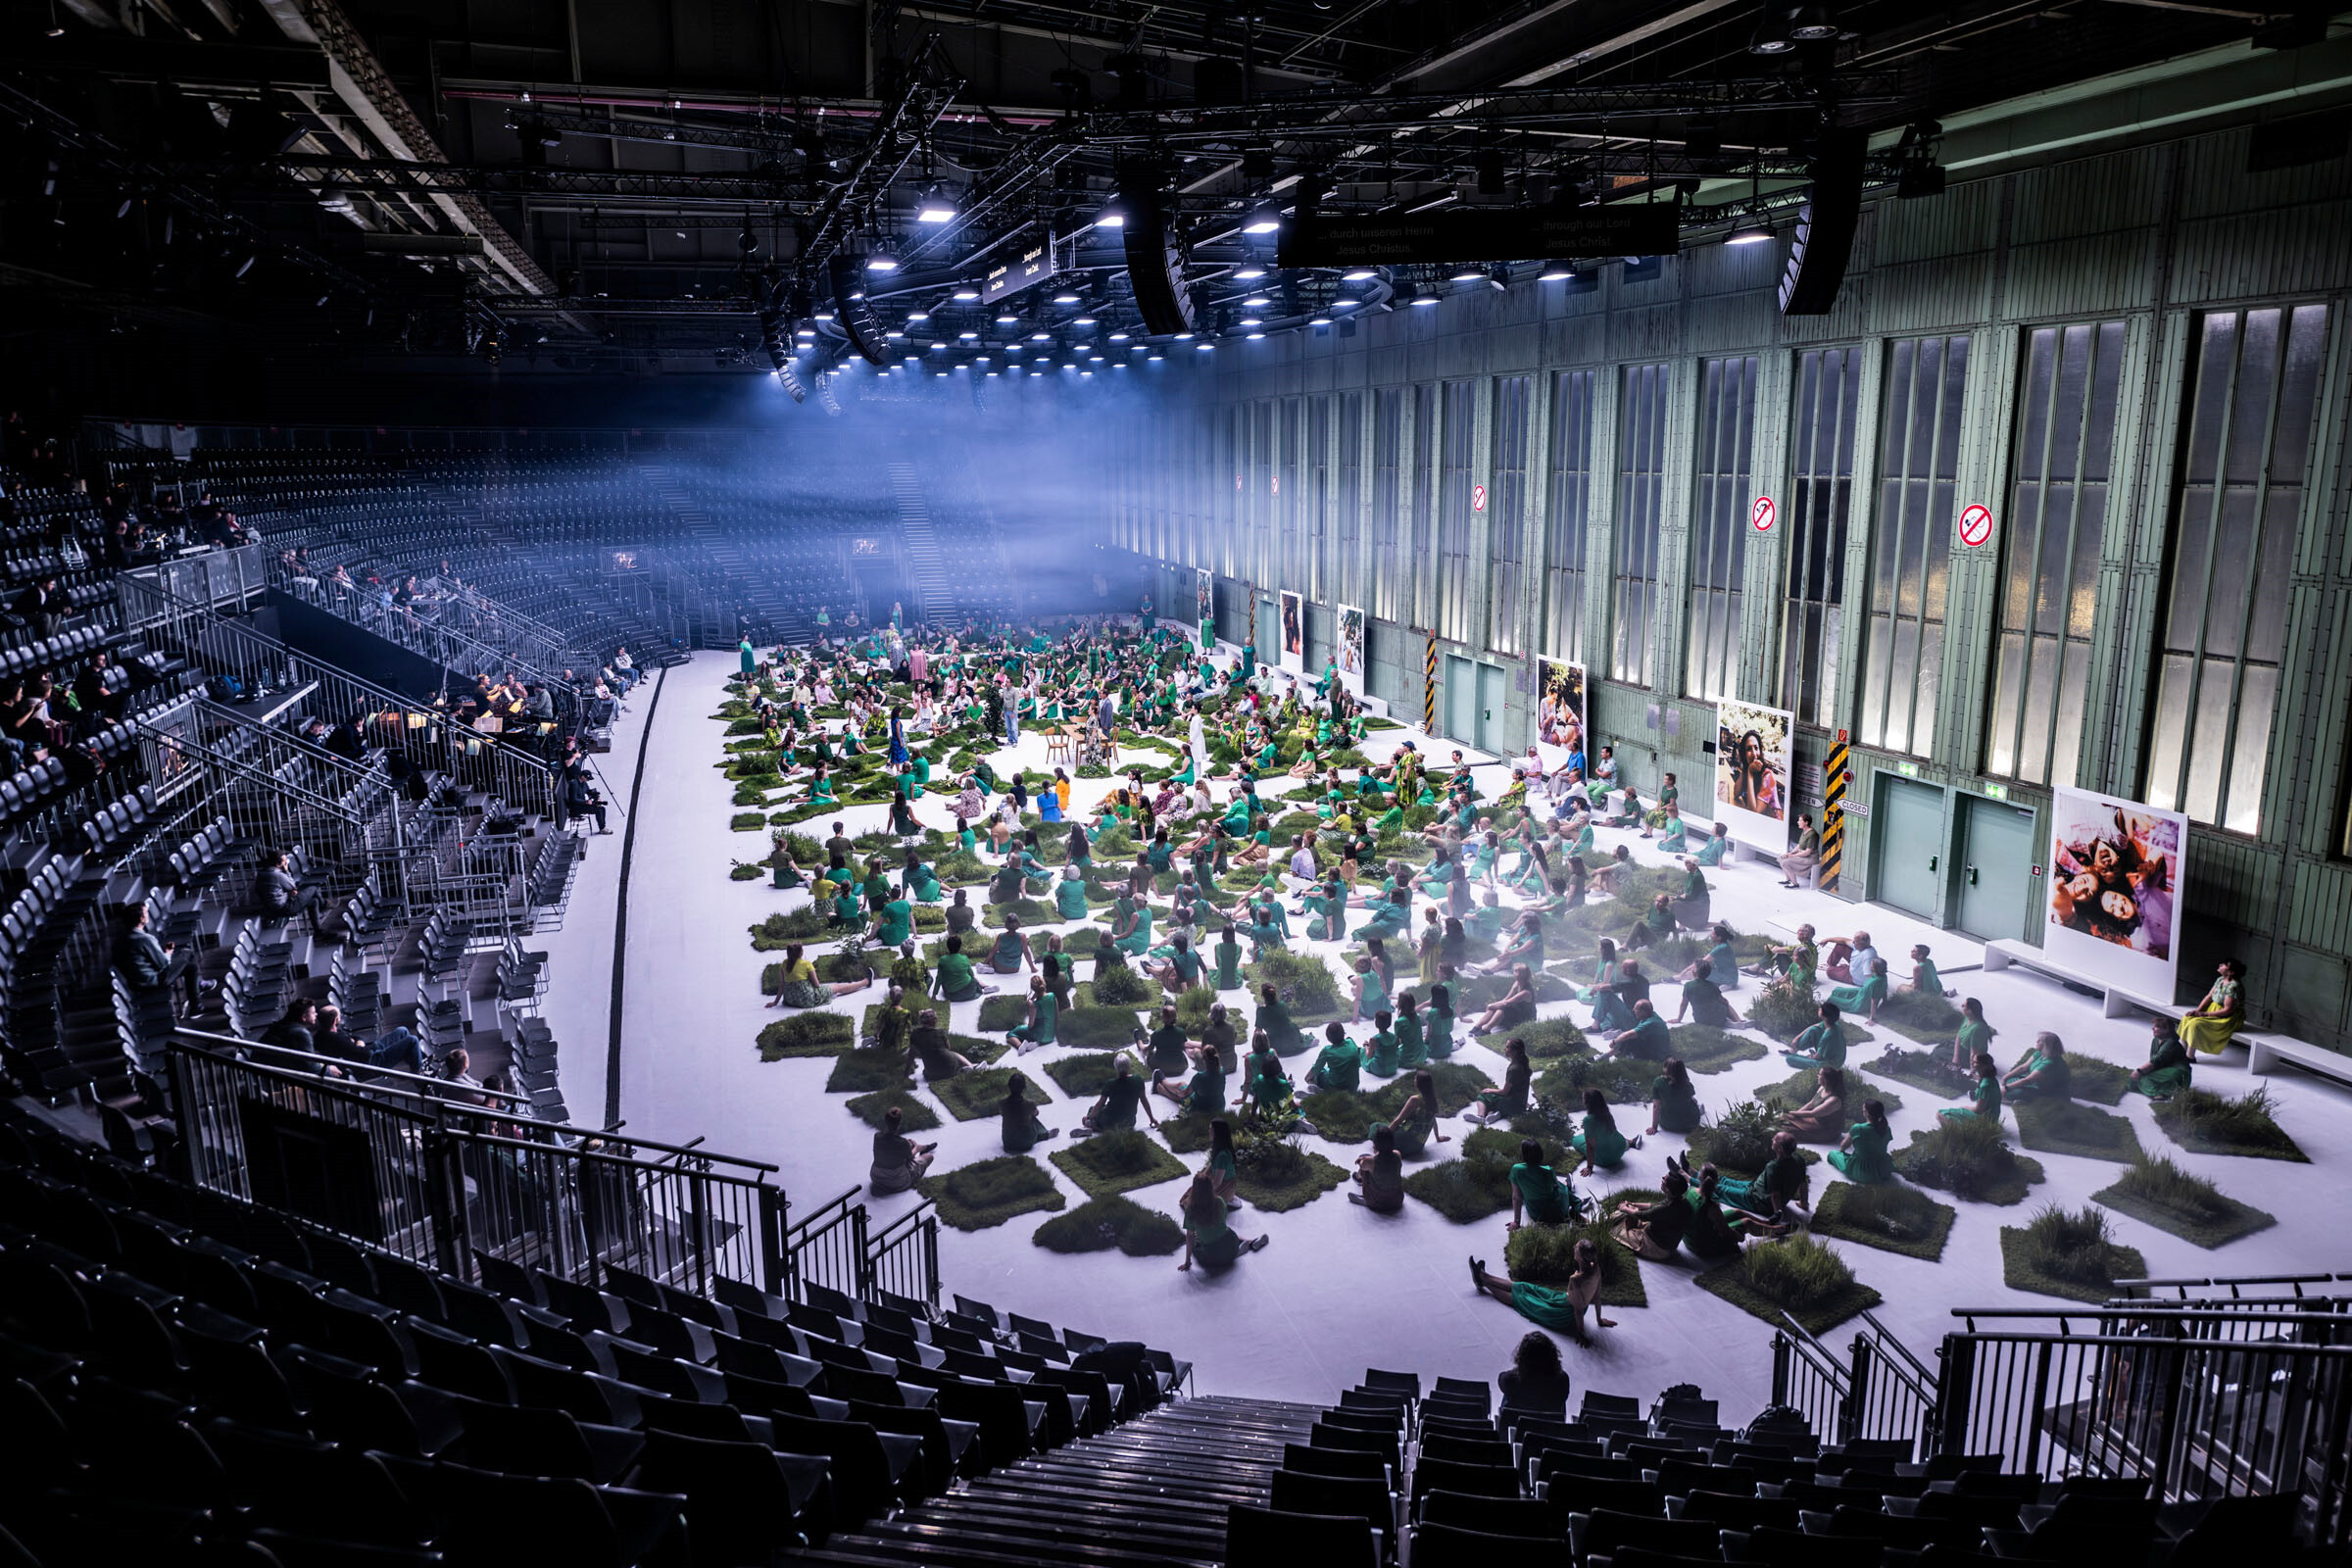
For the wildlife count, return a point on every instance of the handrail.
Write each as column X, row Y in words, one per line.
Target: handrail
column 440, row 1099
column 445, row 645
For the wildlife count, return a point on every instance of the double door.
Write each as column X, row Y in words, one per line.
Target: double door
column 1474, row 699
column 1953, row 858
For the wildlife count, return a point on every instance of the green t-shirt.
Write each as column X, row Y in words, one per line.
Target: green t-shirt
column 1541, row 1194
column 898, row 923
column 955, row 973
column 1379, row 1053
column 1340, row 1066
column 1120, row 1098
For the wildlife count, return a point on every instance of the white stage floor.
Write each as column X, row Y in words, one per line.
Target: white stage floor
column 1339, row 1289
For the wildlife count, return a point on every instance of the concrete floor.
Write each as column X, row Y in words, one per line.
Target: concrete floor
column 1339, row 1289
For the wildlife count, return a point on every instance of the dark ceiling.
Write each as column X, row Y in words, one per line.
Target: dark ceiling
column 590, row 182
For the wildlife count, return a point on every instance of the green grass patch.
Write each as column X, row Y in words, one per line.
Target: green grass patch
column 1001, row 1013
column 1120, row 987
column 1479, row 1183
column 2161, row 1193
column 1886, row 1216
column 2066, row 1127
column 1783, row 1012
column 1480, row 992
column 2069, row 1255
column 1545, row 1254
column 1103, row 1224
column 1085, row 1077
column 1095, row 1028
column 1276, row 1175
column 804, row 924
column 1804, row 1278
column 974, row 1197
column 1116, row 1162
column 914, row 1115
column 1916, row 1015
column 1797, row 1087
column 2102, row 1083
column 1625, row 1083
column 1303, row 981
column 860, row 1072
column 1706, row 1050
column 1967, row 1159
column 1920, row 1069
column 1549, row 1038
column 2207, row 1124
column 979, row 1093
column 814, row 1033
column 1186, row 1135
column 1737, row 1140
column 744, row 871
column 1033, row 913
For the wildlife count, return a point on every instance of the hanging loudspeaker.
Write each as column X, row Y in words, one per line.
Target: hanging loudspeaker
column 855, row 317
column 1154, row 266
column 1825, row 230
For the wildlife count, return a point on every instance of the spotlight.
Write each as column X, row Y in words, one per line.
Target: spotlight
column 1771, row 36
column 1007, row 318
column 1041, row 337
column 1248, row 273
column 1467, row 273
column 1499, row 275
column 1356, row 274
column 1319, row 319
column 1254, row 336
column 1251, row 320
column 933, row 208
column 966, row 293
column 893, row 332
column 1205, row 348
column 1811, row 25
column 1421, row 296
column 825, row 316
column 1262, row 219
column 1082, row 320
column 919, row 315
column 967, row 336
column 1182, row 336
column 1257, row 300
column 246, row 265
column 1111, row 216
column 1556, row 271
column 1749, row 232
column 1156, row 355
column 1118, row 337
column 1065, row 297
column 1345, row 305
column 882, row 261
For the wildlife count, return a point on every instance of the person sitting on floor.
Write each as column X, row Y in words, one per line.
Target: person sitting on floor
column 1673, row 1098
column 1822, row 1044
column 1380, row 1175
column 1655, row 1231
column 1599, row 1140
column 1113, row 1110
column 899, row 1161
column 1499, row 1106
column 1863, row 1156
column 1702, row 999
column 2166, row 1072
column 1822, row 1118
column 1541, row 1194
column 2042, row 1073
column 1023, row 1128
column 1340, row 1065
column 1562, row 1310
column 1649, row 1040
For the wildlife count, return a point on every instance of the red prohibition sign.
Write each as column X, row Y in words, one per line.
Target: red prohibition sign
column 1763, row 514
column 1478, row 498
column 1976, row 525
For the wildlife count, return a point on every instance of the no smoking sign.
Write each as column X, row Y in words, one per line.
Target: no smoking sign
column 1763, row 514
column 1976, row 525
column 1478, row 498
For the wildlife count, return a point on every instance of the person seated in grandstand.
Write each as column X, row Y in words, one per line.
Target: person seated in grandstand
column 153, row 969
column 275, row 892
column 397, row 1049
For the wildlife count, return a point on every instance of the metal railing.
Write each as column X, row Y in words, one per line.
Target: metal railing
column 827, row 1247
column 429, row 739
column 2205, row 1405
column 438, row 1173
column 905, row 1258
column 1877, row 1389
column 450, row 646
column 208, row 578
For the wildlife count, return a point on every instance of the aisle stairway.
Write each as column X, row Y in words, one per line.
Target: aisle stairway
column 749, row 589
column 925, row 567
column 1152, row 1490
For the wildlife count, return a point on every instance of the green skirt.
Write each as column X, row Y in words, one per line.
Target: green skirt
column 1546, row 1307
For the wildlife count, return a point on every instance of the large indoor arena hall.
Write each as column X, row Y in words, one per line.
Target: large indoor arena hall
column 1175, row 785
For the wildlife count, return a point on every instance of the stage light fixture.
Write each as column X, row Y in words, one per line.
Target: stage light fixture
column 1041, row 337
column 1251, row 320
column 1421, row 296
column 1246, row 274
column 1262, row 219
column 1082, row 320
column 966, row 293
column 1811, row 25
column 933, row 207
column 1065, row 297
column 1556, row 271
column 1771, row 36
column 1007, row 318
column 1499, row 275
column 1749, row 232
column 1467, row 273
column 919, row 315
column 1257, row 301
column 967, row 336
column 1356, row 274
column 1118, row 337
column 882, row 261
column 1345, row 305
column 1319, row 319
column 1111, row 215
column 1182, row 338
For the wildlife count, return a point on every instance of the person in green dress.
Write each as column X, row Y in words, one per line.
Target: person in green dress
column 953, row 979
column 1207, row 1238
column 1167, row 1048
column 1497, row 1106
column 1438, row 1026
column 896, row 923
column 1863, row 1157
column 919, row 879
column 1562, row 1310
column 1380, row 1175
column 1823, row 1045
column 1541, row 1194
column 1113, row 1110
column 1012, row 949
column 1221, row 1167
column 1673, row 1098
column 1268, row 1087
column 1702, row 999
column 1924, row 978
column 1274, row 1021
column 1024, row 1129
column 1710, row 853
column 1180, row 970
column 1415, row 1123
column 1044, row 1010
column 1380, row 1052
column 929, row 1048
column 1339, row 1064
column 1412, row 1047
column 1772, row 1199
column 1390, row 916
column 1864, row 998
column 2214, row 1022
column 1228, row 954
column 1985, row 1104
column 894, row 1023
column 1975, row 1039
column 1131, row 926
column 1599, row 1140
column 2166, row 1072
column 1202, row 1094
column 2042, row 1073
column 1069, row 895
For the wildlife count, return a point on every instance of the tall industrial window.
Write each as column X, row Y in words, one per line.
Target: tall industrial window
column 1821, row 486
column 1727, row 428
column 1911, row 542
column 1455, row 440
column 1568, row 512
column 1318, row 499
column 2253, row 400
column 1347, row 572
column 1387, row 445
column 2050, row 577
column 1509, row 507
column 1233, row 498
column 1640, row 492
column 1290, row 508
column 1424, row 491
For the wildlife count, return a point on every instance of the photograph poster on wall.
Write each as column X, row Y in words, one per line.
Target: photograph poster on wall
column 2115, row 875
column 1294, row 633
column 1754, row 772
column 1350, row 652
column 1560, row 715
column 1205, row 606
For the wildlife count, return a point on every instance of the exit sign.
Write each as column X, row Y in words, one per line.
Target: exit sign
column 1996, row 791
column 1907, row 769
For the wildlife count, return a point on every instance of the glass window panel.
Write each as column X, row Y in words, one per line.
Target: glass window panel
column 1388, row 429
column 1719, row 524
column 1348, row 565
column 1509, row 508
column 1820, row 493
column 1640, row 481
column 1910, row 543
column 2236, row 509
column 1567, row 513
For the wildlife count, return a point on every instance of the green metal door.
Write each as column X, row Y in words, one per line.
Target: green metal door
column 1996, row 851
column 1490, row 707
column 1461, row 699
column 1907, row 838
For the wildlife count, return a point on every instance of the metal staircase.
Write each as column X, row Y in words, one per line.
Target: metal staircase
column 717, row 618
column 926, row 570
